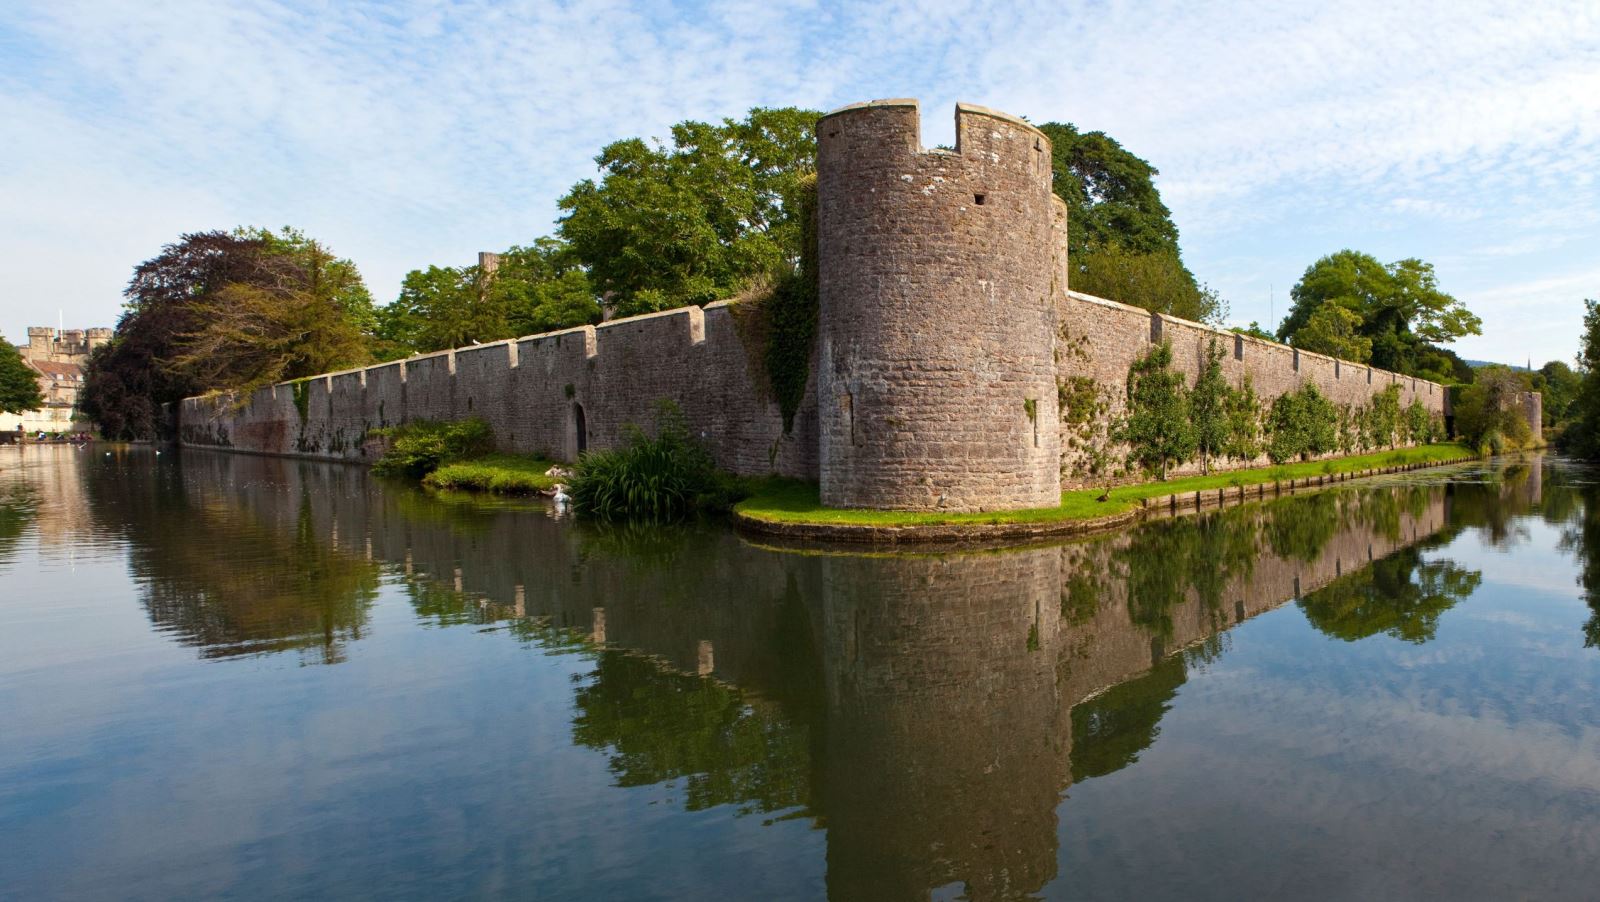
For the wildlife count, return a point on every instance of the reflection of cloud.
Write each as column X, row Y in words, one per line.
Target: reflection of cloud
column 1416, row 783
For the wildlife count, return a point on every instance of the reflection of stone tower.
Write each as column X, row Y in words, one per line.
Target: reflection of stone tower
column 946, row 737
column 936, row 380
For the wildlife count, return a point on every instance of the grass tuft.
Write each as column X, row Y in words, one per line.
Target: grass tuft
column 501, row 474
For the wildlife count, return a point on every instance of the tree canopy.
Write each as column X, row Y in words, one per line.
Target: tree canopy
column 1398, row 308
column 1582, row 437
column 220, row 310
column 1122, row 242
column 691, row 222
column 533, row 289
column 19, row 384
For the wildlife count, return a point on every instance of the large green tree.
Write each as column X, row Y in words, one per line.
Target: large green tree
column 533, row 289
column 1398, row 307
column 221, row 310
column 1559, row 384
column 19, row 384
column 302, row 311
column 1582, row 437
column 693, row 221
column 1122, row 242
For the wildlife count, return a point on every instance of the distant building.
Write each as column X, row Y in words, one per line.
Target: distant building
column 58, row 357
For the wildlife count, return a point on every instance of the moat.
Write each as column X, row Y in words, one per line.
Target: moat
column 226, row 676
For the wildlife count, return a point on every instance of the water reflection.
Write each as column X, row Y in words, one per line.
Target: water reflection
column 929, row 711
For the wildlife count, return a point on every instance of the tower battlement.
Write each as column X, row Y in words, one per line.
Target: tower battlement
column 936, row 382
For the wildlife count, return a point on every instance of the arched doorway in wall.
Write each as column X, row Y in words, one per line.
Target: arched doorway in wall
column 580, row 430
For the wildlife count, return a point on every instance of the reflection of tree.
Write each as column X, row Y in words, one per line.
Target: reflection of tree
column 1111, row 729
column 1401, row 595
column 1299, row 528
column 659, row 724
column 19, row 505
column 1166, row 559
column 1583, row 540
column 232, row 583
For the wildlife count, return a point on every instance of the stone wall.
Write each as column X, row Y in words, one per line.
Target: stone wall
column 1101, row 339
column 953, row 369
column 534, row 392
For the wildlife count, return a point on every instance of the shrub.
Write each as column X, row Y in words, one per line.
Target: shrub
column 660, row 477
column 1489, row 408
column 1302, row 423
column 420, row 447
column 1158, row 427
column 1419, row 423
column 501, row 474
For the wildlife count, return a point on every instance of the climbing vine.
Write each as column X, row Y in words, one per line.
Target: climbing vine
column 302, row 397
column 778, row 315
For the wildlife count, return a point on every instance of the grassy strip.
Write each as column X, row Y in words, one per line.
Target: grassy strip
column 502, row 474
column 794, row 501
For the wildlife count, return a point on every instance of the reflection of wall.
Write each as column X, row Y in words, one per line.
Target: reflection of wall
column 941, row 697
column 952, row 680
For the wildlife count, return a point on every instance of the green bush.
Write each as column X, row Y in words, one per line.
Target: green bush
column 501, row 474
column 420, row 447
column 660, row 477
column 1302, row 423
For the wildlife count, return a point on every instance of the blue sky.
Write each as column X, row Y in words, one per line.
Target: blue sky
column 410, row 133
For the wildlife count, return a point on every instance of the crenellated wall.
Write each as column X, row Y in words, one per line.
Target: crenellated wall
column 531, row 391
column 953, row 370
column 1101, row 339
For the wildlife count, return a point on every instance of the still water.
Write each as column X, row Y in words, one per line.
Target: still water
column 240, row 677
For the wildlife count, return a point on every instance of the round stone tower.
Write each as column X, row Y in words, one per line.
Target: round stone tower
column 936, row 369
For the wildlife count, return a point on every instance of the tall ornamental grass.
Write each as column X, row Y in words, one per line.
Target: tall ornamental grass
column 657, row 478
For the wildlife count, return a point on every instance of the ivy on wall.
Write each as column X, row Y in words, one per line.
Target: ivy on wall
column 778, row 315
column 1168, row 423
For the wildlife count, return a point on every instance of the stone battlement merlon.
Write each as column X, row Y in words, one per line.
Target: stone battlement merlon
column 1379, row 374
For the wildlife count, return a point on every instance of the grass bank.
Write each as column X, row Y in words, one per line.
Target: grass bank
column 501, row 474
column 794, row 501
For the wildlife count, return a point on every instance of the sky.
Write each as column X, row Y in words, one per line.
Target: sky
column 404, row 134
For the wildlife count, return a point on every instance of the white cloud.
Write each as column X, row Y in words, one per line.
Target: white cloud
column 420, row 132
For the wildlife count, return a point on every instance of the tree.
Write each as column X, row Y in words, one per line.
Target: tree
column 219, row 310
column 1208, row 408
column 1157, row 428
column 438, row 308
column 1399, row 307
column 533, row 289
column 690, row 223
column 1583, row 436
column 1302, row 423
column 19, row 384
column 1254, row 330
column 1488, row 413
column 544, row 288
column 1158, row 282
column 1560, row 385
column 1334, row 330
column 128, row 380
column 1122, row 242
column 1244, row 422
column 303, row 311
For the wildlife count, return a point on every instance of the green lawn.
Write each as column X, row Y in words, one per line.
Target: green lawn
column 795, row 501
column 503, row 474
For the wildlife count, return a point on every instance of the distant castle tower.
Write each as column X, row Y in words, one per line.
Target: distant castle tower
column 936, row 368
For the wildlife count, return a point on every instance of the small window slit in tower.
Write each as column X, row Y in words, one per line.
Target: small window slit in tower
column 979, row 199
